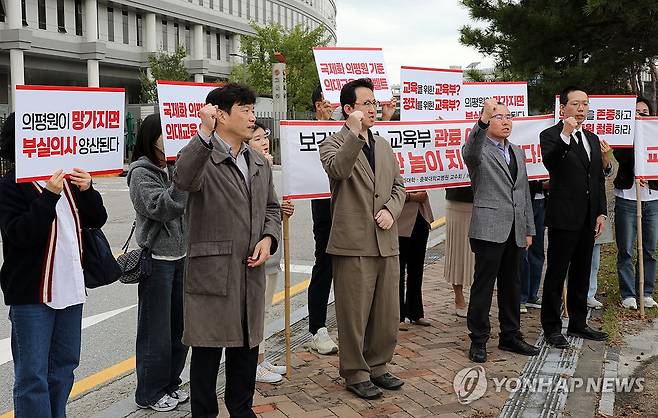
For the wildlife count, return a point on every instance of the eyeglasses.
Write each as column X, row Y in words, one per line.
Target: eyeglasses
column 501, row 117
column 367, row 103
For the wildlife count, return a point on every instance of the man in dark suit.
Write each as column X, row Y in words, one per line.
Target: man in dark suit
column 575, row 216
column 501, row 226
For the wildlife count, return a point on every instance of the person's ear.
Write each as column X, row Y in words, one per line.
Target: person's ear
column 348, row 109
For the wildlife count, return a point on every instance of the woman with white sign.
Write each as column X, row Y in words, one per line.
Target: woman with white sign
column 159, row 226
column 266, row 372
column 43, row 279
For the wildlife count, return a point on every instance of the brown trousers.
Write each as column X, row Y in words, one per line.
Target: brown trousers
column 368, row 314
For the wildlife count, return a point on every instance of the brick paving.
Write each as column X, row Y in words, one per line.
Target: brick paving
column 426, row 357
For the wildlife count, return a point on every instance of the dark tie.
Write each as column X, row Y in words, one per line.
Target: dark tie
column 580, row 148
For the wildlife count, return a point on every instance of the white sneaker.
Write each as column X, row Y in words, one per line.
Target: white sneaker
column 274, row 369
column 322, row 342
column 629, row 303
column 649, row 302
column 265, row 376
column 180, row 395
column 593, row 303
column 523, row 308
column 165, row 404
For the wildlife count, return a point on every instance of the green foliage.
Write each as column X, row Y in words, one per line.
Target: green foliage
column 296, row 45
column 601, row 45
column 163, row 66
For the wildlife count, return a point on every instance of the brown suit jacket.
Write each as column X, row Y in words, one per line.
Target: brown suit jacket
column 357, row 195
column 407, row 218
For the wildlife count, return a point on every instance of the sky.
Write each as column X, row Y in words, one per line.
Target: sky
column 422, row 33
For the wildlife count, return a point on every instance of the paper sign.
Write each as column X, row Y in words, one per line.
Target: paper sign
column 338, row 66
column 430, row 93
column 68, row 127
column 513, row 94
column 180, row 102
column 611, row 117
column 646, row 148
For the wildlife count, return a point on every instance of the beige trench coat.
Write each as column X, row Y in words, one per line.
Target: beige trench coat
column 223, row 297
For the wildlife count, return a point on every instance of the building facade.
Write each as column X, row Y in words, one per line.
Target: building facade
column 106, row 43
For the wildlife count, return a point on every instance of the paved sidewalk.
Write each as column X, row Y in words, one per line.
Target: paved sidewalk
column 428, row 358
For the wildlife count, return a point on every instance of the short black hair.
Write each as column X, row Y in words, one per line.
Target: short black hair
column 231, row 94
column 148, row 133
column 564, row 95
column 646, row 102
column 7, row 139
column 316, row 97
column 348, row 92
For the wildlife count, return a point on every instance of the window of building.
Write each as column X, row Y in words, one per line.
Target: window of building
column 61, row 25
column 188, row 40
column 165, row 44
column 138, row 20
column 271, row 13
column 230, row 7
column 218, row 38
column 200, row 2
column 177, row 32
column 208, row 45
column 212, row 4
column 256, row 11
column 78, row 17
column 110, row 24
column 240, row 8
column 2, row 11
column 23, row 14
column 278, row 14
column 228, row 45
column 41, row 9
column 221, row 5
column 248, row 10
column 285, row 17
column 124, row 22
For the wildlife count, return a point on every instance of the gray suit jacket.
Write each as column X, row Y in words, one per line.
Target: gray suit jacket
column 498, row 201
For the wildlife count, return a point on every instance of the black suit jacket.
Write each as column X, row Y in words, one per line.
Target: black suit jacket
column 577, row 190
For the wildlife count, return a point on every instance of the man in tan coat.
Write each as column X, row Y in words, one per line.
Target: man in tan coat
column 234, row 224
column 367, row 195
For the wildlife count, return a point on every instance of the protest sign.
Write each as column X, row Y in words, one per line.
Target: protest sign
column 611, row 117
column 429, row 152
column 430, row 93
column 68, row 127
column 180, row 102
column 338, row 66
column 514, row 94
column 646, row 148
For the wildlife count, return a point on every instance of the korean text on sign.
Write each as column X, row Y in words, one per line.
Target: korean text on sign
column 430, row 93
column 66, row 128
column 514, row 95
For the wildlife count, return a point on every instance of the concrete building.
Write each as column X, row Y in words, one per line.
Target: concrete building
column 106, row 43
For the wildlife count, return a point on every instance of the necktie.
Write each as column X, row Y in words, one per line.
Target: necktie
column 580, row 148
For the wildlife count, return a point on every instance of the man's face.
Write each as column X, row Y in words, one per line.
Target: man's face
column 500, row 125
column 641, row 109
column 240, row 122
column 577, row 106
column 365, row 102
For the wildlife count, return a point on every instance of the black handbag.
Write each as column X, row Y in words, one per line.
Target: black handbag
column 98, row 263
column 136, row 264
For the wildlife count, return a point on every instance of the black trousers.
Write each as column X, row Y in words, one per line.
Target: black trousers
column 240, row 369
column 495, row 260
column 572, row 251
column 412, row 260
column 321, row 276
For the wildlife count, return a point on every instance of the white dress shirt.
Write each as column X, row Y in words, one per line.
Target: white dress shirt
column 567, row 140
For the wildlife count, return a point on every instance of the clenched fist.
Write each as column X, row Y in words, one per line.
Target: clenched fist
column 354, row 122
column 488, row 110
column 570, row 125
column 208, row 115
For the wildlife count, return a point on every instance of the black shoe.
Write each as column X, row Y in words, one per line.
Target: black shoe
column 365, row 390
column 387, row 381
column 557, row 341
column 478, row 353
column 519, row 346
column 588, row 333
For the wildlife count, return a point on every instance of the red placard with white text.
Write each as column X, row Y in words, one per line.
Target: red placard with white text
column 514, row 94
column 68, row 127
column 180, row 102
column 338, row 66
column 429, row 152
column 646, row 148
column 611, row 117
column 430, row 93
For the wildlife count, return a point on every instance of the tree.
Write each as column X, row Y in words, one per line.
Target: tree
column 163, row 66
column 601, row 45
column 296, row 45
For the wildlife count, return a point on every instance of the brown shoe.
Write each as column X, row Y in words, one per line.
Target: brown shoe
column 404, row 326
column 422, row 322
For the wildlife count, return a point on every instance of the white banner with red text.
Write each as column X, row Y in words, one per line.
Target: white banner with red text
column 513, row 94
column 646, row 148
column 429, row 152
column 430, row 93
column 66, row 128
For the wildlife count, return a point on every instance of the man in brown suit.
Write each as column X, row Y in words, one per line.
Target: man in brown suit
column 367, row 195
column 234, row 224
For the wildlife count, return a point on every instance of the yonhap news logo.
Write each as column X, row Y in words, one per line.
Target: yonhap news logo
column 470, row 384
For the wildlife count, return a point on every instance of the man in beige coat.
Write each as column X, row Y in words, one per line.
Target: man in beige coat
column 367, row 195
column 234, row 224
